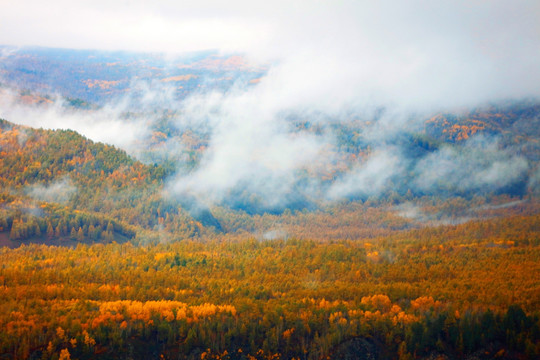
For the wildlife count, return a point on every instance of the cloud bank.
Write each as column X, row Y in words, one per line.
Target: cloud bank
column 387, row 63
column 332, row 53
column 480, row 164
column 106, row 125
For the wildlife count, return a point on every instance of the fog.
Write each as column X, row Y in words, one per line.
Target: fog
column 330, row 54
column 59, row 191
column 105, row 125
column 389, row 64
column 479, row 165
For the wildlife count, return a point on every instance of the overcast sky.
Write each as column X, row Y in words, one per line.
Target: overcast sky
column 405, row 52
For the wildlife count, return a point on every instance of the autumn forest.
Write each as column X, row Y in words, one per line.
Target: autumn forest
column 186, row 241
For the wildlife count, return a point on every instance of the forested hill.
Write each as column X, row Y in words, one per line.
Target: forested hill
column 97, row 76
column 516, row 122
column 452, row 272
column 43, row 167
column 60, row 186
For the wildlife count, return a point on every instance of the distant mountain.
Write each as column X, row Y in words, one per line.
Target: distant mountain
column 101, row 76
column 516, row 121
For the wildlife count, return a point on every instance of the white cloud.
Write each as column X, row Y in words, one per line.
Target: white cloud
column 105, row 125
column 59, row 191
column 251, row 145
column 368, row 179
column 163, row 26
column 327, row 54
column 480, row 164
column 328, row 58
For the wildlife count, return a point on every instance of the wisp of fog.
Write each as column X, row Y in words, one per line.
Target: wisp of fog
column 386, row 65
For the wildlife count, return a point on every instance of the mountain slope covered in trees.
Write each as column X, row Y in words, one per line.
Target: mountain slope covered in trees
column 402, row 277
column 399, row 241
column 62, row 167
column 94, row 77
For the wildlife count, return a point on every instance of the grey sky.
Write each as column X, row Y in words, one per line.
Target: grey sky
column 405, row 52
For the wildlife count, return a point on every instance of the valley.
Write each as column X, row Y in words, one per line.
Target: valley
column 309, row 236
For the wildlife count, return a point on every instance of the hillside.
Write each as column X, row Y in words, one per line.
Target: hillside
column 56, row 168
column 219, row 234
column 109, row 265
column 40, row 168
column 99, row 76
column 49, row 170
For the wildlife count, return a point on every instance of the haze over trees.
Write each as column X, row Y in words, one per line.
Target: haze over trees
column 223, row 283
column 159, row 207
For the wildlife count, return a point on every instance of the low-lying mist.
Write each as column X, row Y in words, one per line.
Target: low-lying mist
column 340, row 111
column 240, row 149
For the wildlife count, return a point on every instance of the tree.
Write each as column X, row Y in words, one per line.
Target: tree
column 16, row 231
column 110, row 227
column 64, row 355
column 80, row 235
column 37, row 230
column 50, row 230
column 92, row 234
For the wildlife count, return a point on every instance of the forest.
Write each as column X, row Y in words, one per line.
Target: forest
column 97, row 261
column 464, row 291
column 269, row 180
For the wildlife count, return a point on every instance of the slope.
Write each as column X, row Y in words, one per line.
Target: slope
column 63, row 167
